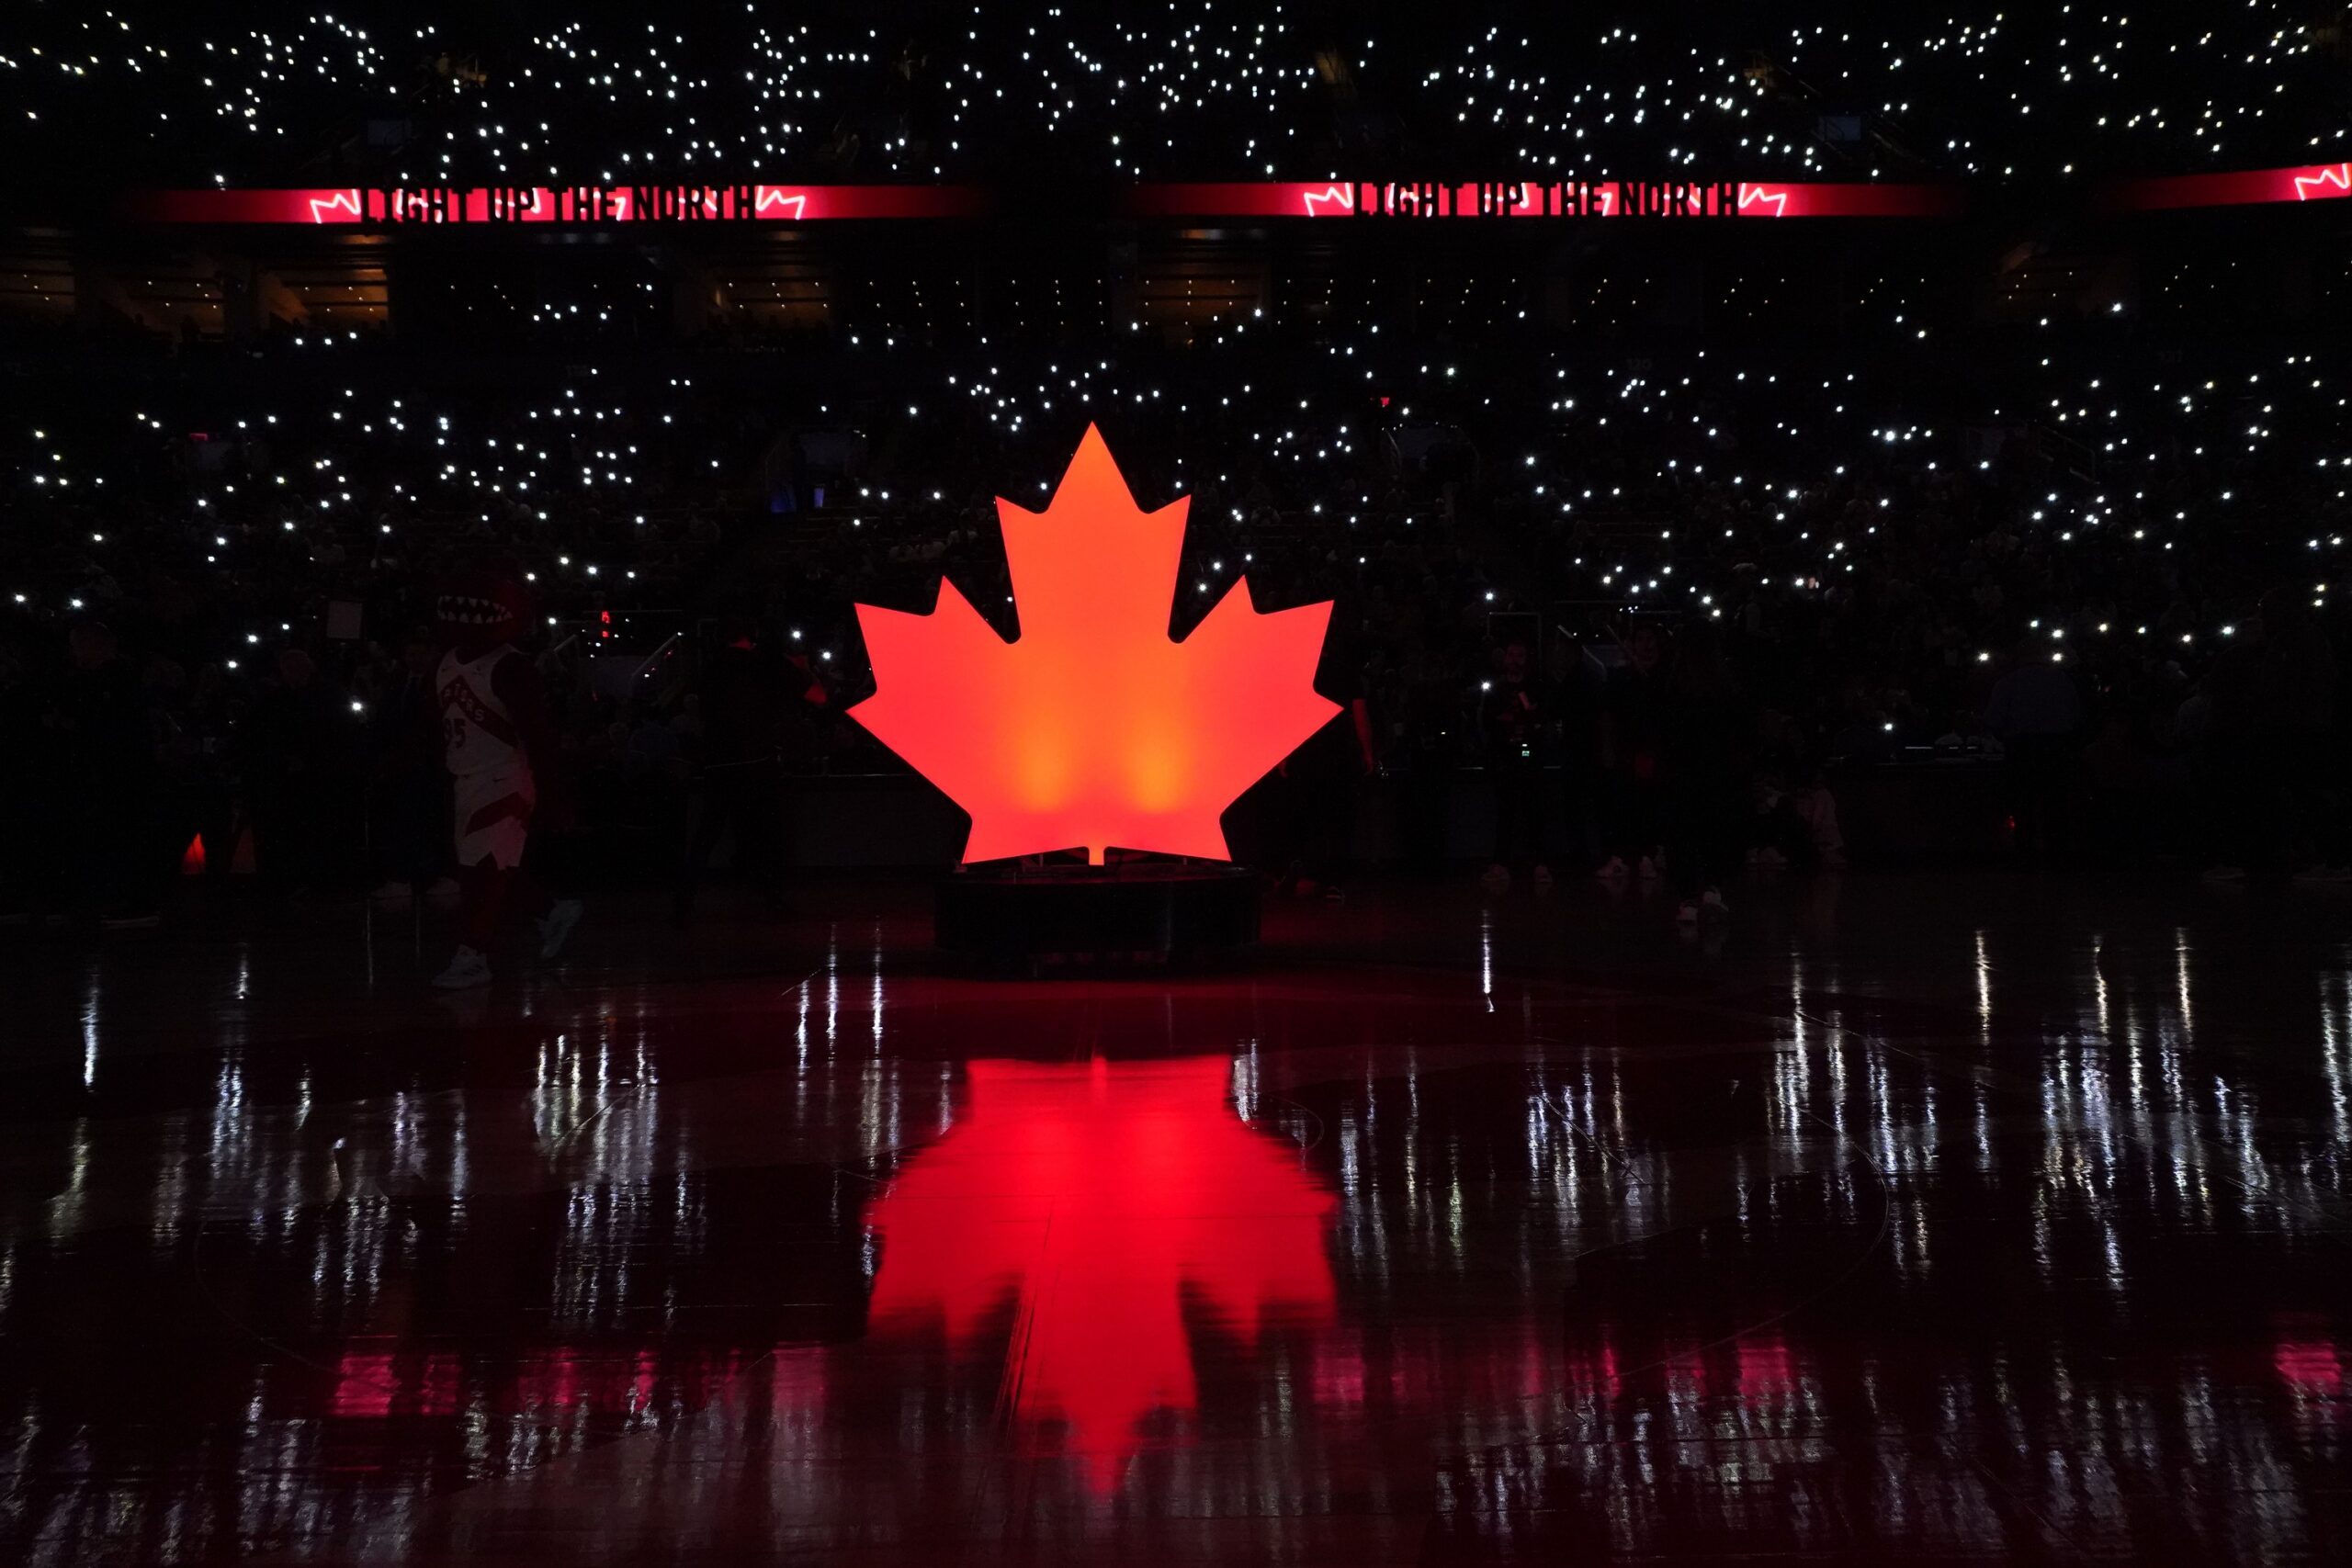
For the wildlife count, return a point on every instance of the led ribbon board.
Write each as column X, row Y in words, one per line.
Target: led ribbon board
column 1544, row 199
column 388, row 208
column 373, row 208
column 2238, row 187
column 1094, row 728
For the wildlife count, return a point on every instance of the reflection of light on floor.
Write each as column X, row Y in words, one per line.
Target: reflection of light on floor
column 368, row 1384
column 2098, row 986
column 1102, row 1199
column 877, row 999
column 1486, row 957
column 2335, row 1046
column 2187, row 1009
column 90, row 1030
column 1984, row 985
column 833, row 988
column 2309, row 1365
column 1767, row 1371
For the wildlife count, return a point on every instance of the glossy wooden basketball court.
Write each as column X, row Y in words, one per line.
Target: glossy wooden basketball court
column 1906, row 1219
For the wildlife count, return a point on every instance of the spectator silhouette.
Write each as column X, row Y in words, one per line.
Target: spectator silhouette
column 408, row 800
column 108, row 801
column 2036, row 714
column 297, row 753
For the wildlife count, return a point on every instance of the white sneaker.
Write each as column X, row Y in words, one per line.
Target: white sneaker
column 1648, row 869
column 444, row 891
column 1495, row 880
column 1613, row 870
column 394, row 893
column 555, row 926
column 468, row 966
column 1712, row 903
column 1688, row 915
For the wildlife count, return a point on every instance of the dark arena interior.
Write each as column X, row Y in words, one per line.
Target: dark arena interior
column 1180, row 782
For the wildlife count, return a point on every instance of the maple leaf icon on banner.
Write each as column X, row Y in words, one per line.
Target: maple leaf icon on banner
column 1094, row 728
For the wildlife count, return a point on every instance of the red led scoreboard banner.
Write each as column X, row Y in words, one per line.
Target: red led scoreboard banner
column 384, row 207
column 2240, row 187
column 1543, row 198
column 366, row 207
column 370, row 207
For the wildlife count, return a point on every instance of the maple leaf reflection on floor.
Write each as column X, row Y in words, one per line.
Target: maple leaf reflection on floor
column 1092, row 728
column 1097, row 1197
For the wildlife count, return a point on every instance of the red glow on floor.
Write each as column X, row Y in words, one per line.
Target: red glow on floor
column 1602, row 1371
column 192, row 858
column 371, row 1385
column 1099, row 1199
column 365, row 1385
column 2310, row 1365
column 1765, row 1372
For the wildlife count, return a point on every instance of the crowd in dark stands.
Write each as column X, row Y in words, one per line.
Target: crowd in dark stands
column 1631, row 578
column 1777, row 89
column 1652, row 618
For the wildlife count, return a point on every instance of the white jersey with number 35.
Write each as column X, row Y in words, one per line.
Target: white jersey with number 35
column 478, row 733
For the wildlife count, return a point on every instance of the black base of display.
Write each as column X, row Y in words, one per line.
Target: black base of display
column 1042, row 917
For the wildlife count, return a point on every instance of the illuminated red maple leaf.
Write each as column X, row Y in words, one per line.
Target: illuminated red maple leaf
column 1093, row 728
column 1102, row 1199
